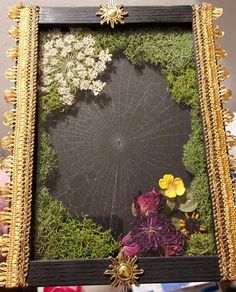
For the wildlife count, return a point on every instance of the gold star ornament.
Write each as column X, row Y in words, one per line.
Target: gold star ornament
column 124, row 271
column 112, row 14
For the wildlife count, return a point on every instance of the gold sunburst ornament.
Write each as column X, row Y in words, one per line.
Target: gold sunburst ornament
column 124, row 271
column 112, row 14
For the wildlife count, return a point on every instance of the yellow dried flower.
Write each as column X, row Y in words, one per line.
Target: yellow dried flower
column 172, row 186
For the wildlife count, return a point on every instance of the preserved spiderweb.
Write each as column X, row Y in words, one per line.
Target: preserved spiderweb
column 114, row 145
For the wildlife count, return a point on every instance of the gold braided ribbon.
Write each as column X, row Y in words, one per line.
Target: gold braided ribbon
column 218, row 141
column 19, row 165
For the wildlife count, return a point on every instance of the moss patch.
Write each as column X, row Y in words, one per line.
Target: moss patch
column 194, row 158
column 201, row 242
column 50, row 104
column 172, row 49
column 46, row 157
column 199, row 187
column 184, row 90
column 59, row 236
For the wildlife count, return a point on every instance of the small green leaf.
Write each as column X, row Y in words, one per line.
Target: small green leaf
column 170, row 205
column 175, row 222
column 186, row 203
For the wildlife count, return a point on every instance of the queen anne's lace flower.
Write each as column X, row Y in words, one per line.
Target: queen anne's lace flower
column 73, row 64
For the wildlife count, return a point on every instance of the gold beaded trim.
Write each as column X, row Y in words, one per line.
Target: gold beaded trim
column 218, row 141
column 19, row 165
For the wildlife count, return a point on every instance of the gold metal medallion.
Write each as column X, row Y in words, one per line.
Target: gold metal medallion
column 124, row 271
column 112, row 14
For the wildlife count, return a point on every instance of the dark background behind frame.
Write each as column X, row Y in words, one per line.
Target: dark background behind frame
column 91, row 272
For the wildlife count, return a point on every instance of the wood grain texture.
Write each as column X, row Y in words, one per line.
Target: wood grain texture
column 141, row 14
column 91, row 272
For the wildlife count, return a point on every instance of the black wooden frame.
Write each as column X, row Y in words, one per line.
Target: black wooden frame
column 91, row 272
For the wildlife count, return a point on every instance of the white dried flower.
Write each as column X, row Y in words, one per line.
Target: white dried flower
column 48, row 46
column 48, row 80
column 64, row 90
column 72, row 63
column 69, row 38
column 104, row 56
column 59, row 43
column 89, row 61
column 53, row 52
column 68, row 99
column 97, row 87
column 54, row 62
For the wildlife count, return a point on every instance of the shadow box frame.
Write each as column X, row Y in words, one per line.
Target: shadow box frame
column 19, row 270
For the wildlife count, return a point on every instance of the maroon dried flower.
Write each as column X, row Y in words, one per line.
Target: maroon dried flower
column 127, row 239
column 149, row 202
column 174, row 242
column 130, row 247
column 132, row 250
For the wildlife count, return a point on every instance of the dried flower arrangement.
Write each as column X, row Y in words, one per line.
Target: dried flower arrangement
column 167, row 220
column 153, row 230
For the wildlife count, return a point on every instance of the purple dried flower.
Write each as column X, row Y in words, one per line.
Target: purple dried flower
column 147, row 231
column 3, row 178
column 156, row 231
column 149, row 202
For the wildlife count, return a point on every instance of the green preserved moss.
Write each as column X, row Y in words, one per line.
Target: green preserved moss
column 200, row 187
column 183, row 87
column 49, row 104
column 194, row 154
column 46, row 157
column 112, row 40
column 59, row 236
column 201, row 244
column 172, row 50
